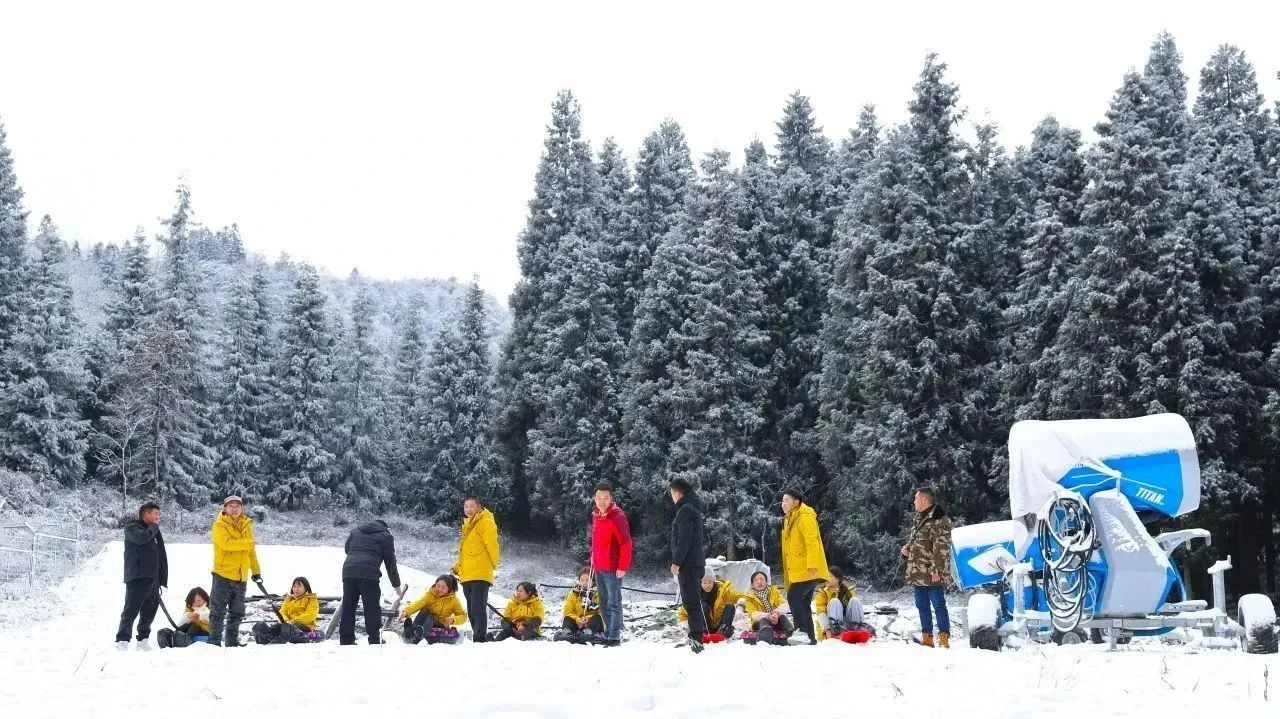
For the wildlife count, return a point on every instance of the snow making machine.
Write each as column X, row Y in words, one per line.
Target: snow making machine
column 1077, row 563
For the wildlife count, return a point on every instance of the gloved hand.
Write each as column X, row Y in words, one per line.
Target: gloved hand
column 257, row 579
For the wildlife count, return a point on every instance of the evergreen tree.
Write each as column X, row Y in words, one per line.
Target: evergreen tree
column 134, row 300
column 43, row 434
column 243, row 421
column 615, row 217
column 663, row 179
column 854, row 156
column 905, row 344
column 574, row 445
column 799, row 287
column 405, row 398
column 361, row 406
column 458, row 452
column 566, row 200
column 304, row 390
column 13, row 242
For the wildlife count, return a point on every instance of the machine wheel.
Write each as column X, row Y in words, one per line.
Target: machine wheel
column 985, row 638
column 1075, row 636
column 1257, row 615
column 983, row 618
column 1099, row 636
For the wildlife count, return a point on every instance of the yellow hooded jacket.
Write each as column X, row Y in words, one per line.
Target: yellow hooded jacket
column 802, row 547
column 822, row 598
column 234, row 554
column 574, row 609
column 518, row 612
column 725, row 595
column 754, row 605
column 439, row 607
column 301, row 611
column 202, row 617
column 478, row 548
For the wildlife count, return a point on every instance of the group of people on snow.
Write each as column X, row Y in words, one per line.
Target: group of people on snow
column 592, row 609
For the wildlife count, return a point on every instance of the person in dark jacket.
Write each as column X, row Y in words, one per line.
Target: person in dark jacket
column 368, row 547
column 146, row 570
column 688, row 555
column 610, row 558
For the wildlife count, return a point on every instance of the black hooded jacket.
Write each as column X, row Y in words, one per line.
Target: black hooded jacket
column 369, row 546
column 687, row 547
column 144, row 554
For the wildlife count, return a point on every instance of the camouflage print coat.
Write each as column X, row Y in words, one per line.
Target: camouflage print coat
column 929, row 550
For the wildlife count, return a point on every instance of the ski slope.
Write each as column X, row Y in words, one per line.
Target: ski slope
column 67, row 666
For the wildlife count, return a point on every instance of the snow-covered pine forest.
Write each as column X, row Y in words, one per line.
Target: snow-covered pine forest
column 855, row 314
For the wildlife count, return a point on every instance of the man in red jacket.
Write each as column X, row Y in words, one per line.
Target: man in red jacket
column 610, row 558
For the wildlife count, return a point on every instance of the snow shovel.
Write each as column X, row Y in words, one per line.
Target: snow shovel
column 267, row 594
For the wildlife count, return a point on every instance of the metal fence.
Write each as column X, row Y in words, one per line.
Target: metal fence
column 30, row 554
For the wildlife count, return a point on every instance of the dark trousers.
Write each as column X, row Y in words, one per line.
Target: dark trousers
column 226, row 611
column 141, row 600
column 264, row 633
column 610, row 603
column 368, row 593
column 725, row 625
column 528, row 631
column 800, row 597
column 595, row 623
column 937, row 597
column 193, row 630
column 690, row 581
column 476, row 594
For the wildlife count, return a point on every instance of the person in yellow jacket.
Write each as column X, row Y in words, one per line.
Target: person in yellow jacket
column 235, row 562
column 581, row 611
column 477, row 562
column 195, row 622
column 299, row 611
column 523, row 615
column 719, row 602
column 804, row 561
column 838, row 606
column 767, row 611
column 438, row 607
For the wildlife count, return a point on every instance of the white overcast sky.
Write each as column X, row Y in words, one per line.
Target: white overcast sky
column 402, row 138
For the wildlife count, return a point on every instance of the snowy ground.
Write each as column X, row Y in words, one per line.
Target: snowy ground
column 67, row 667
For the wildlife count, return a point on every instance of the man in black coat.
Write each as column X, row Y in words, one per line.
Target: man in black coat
column 146, row 570
column 688, row 555
column 368, row 547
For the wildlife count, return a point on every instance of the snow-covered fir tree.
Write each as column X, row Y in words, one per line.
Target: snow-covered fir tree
column 360, row 409
column 566, row 199
column 244, row 392
column 458, row 455
column 43, row 434
column 13, row 242
column 303, row 467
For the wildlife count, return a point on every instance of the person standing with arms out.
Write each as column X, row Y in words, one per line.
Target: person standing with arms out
column 610, row 558
column 804, row 561
column 688, row 556
column 235, row 562
column 928, row 556
column 146, row 570
column 368, row 547
column 477, row 562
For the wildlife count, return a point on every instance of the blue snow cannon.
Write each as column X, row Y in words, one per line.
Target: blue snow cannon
column 1077, row 562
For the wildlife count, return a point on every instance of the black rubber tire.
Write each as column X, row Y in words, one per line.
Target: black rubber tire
column 985, row 638
column 1263, row 640
column 1075, row 636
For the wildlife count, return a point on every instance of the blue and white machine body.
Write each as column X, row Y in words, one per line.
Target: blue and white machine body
column 1076, row 542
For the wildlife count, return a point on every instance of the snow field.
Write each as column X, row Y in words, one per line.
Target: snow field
column 67, row 667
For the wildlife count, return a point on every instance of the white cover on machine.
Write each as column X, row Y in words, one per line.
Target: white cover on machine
column 1040, row 453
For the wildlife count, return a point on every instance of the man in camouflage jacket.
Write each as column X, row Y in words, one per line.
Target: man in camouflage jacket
column 928, row 554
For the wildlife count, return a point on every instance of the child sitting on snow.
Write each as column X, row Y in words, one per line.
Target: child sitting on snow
column 299, row 610
column 767, row 611
column 719, row 602
column 523, row 615
column 839, row 608
column 581, row 610
column 439, row 608
column 195, row 624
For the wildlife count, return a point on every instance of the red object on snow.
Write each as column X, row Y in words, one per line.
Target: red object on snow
column 712, row 638
column 855, row 636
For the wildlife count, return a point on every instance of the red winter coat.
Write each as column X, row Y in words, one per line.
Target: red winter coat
column 610, row 540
